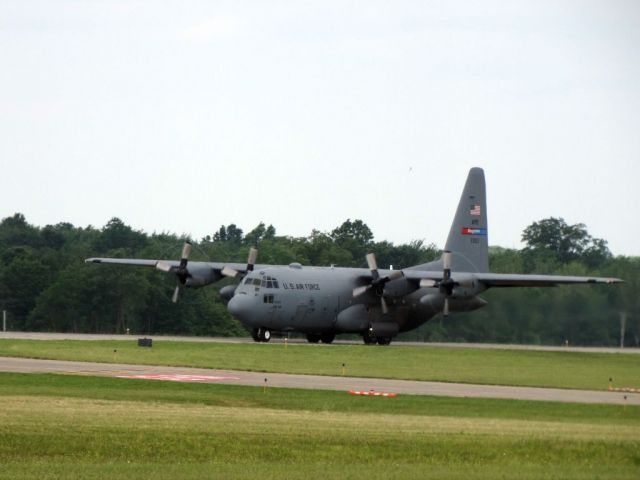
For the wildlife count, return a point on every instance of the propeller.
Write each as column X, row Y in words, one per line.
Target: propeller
column 447, row 284
column 181, row 272
column 251, row 261
column 377, row 283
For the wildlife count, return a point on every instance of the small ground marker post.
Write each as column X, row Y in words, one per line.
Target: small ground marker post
column 344, row 367
column 286, row 342
column 264, row 389
column 610, row 384
column 625, row 403
column 114, row 354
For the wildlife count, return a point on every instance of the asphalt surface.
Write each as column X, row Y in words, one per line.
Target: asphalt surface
column 235, row 377
column 84, row 336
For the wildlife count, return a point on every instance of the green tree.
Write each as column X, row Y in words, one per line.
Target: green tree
column 355, row 237
column 231, row 233
column 553, row 239
column 260, row 233
column 21, row 282
column 117, row 235
column 15, row 231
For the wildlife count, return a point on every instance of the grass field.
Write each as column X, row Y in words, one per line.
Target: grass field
column 57, row 426
column 468, row 365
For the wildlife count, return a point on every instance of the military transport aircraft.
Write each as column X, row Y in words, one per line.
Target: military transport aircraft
column 378, row 304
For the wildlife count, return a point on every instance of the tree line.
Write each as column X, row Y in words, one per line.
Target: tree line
column 46, row 286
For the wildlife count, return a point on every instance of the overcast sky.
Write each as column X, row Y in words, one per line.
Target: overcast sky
column 183, row 116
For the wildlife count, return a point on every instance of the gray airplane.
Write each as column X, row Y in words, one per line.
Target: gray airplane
column 378, row 304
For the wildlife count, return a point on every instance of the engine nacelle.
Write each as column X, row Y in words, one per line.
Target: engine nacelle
column 353, row 319
column 435, row 301
column 228, row 292
column 201, row 275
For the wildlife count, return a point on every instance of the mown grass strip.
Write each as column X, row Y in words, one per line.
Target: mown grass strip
column 49, row 430
column 485, row 366
column 279, row 469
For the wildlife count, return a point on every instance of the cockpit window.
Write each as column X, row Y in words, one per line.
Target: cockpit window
column 256, row 282
column 269, row 282
column 248, row 280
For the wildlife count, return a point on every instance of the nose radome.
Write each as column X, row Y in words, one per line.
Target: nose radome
column 239, row 306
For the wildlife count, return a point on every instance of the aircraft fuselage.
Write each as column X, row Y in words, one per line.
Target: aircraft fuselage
column 320, row 300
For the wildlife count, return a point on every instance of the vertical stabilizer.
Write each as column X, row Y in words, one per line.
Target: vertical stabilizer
column 468, row 240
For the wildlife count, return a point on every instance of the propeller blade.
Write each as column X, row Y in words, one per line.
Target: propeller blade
column 468, row 283
column 445, row 310
column 176, row 292
column 360, row 290
column 427, row 283
column 371, row 262
column 394, row 275
column 163, row 266
column 383, row 304
column 446, row 264
column 446, row 260
column 229, row 272
column 251, row 261
column 186, row 251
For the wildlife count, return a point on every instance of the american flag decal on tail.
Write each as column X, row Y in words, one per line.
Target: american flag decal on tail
column 475, row 210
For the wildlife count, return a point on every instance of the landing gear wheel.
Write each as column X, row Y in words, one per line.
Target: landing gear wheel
column 327, row 337
column 255, row 334
column 384, row 340
column 264, row 334
column 313, row 338
column 368, row 339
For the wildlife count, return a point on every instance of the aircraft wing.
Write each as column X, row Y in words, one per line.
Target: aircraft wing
column 510, row 279
column 170, row 265
column 126, row 261
column 521, row 280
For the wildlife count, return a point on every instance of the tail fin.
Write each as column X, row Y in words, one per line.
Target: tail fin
column 468, row 240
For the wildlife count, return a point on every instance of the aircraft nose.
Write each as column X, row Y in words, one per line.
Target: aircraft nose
column 240, row 307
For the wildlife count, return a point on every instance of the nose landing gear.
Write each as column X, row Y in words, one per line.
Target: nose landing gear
column 261, row 334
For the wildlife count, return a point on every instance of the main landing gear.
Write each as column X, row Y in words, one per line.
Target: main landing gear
column 369, row 340
column 261, row 334
column 324, row 337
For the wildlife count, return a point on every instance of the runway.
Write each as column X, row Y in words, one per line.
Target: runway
column 236, row 377
column 499, row 346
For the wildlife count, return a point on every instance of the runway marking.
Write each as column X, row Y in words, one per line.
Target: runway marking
column 176, row 377
column 372, row 393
